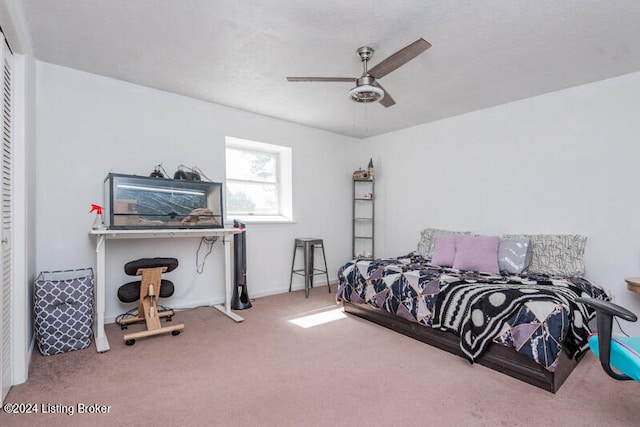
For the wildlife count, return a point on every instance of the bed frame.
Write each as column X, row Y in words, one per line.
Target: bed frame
column 497, row 357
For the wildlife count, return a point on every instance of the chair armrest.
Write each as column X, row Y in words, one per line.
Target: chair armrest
column 605, row 312
column 609, row 308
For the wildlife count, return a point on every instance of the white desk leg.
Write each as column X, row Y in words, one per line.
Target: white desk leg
column 226, row 309
column 102, row 344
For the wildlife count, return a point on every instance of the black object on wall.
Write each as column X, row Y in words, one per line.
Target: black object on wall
column 240, row 299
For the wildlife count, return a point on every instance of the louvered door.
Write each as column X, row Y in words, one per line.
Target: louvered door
column 6, row 210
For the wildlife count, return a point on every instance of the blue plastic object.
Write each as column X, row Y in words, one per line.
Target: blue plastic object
column 625, row 354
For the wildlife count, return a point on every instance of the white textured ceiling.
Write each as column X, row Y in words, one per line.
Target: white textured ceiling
column 238, row 53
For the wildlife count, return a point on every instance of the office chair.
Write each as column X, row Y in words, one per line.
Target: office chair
column 147, row 291
column 621, row 353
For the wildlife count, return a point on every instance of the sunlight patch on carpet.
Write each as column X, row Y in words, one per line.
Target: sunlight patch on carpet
column 316, row 319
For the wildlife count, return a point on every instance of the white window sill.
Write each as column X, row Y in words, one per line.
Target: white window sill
column 251, row 219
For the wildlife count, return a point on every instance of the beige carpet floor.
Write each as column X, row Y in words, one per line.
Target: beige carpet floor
column 267, row 371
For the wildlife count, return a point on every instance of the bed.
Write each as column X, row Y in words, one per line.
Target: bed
column 516, row 314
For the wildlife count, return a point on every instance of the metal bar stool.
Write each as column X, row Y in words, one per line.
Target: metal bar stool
column 308, row 244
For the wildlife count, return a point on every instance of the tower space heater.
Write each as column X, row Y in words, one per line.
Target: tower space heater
column 240, row 299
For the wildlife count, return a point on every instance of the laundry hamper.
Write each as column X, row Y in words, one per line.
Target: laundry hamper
column 63, row 310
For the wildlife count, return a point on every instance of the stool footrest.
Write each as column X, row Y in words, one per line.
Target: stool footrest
column 314, row 274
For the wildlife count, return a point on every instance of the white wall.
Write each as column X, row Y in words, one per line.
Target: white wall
column 565, row 162
column 89, row 126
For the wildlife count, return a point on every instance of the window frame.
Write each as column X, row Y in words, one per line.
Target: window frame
column 283, row 181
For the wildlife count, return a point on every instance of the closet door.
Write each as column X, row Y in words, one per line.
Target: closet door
column 6, row 221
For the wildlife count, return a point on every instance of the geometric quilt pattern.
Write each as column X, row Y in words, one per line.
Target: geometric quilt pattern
column 536, row 334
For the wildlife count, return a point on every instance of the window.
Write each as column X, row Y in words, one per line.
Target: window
column 258, row 180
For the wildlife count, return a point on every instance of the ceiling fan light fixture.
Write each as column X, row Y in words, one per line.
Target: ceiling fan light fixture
column 366, row 93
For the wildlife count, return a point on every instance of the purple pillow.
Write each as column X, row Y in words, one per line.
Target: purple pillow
column 477, row 253
column 444, row 250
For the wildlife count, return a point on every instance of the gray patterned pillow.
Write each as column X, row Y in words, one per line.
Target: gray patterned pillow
column 556, row 254
column 514, row 254
column 426, row 240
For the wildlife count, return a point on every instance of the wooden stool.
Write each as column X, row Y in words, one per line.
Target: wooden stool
column 309, row 244
column 151, row 270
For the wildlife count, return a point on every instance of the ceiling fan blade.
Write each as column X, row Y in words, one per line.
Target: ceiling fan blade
column 399, row 58
column 321, row 79
column 387, row 101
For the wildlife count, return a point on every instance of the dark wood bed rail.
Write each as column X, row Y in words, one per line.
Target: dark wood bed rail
column 497, row 357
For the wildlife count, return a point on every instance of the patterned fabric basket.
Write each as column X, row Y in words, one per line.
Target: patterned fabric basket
column 63, row 310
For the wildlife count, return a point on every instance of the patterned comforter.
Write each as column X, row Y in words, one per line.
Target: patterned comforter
column 535, row 314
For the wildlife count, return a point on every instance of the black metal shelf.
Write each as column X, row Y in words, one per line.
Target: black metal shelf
column 364, row 224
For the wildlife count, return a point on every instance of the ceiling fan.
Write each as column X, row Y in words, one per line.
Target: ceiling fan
column 367, row 89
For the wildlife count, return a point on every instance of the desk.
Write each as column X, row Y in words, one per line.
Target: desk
column 102, row 344
column 633, row 284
